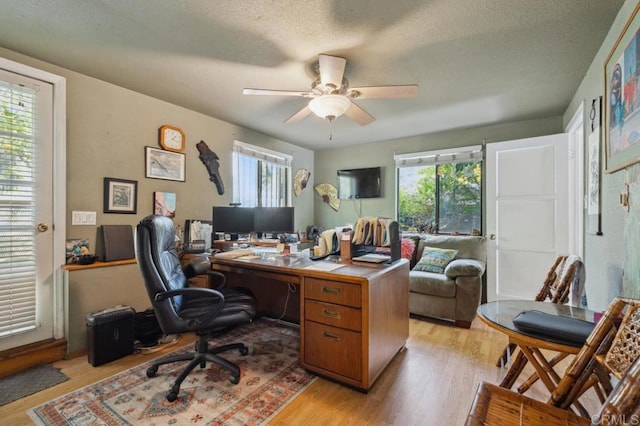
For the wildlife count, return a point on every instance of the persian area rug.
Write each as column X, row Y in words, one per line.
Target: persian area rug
column 271, row 377
column 30, row 381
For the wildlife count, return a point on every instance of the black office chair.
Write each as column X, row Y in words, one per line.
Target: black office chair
column 180, row 309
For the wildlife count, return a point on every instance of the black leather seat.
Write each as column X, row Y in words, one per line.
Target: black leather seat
column 180, row 309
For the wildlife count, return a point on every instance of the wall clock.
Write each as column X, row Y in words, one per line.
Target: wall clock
column 172, row 138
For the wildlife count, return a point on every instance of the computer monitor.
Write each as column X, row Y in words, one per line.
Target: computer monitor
column 274, row 219
column 236, row 220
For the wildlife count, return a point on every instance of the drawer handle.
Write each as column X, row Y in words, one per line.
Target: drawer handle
column 332, row 314
column 330, row 336
column 330, row 290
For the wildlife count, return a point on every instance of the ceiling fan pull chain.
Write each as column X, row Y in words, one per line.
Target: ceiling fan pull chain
column 330, row 118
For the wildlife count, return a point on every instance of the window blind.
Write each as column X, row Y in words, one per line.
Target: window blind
column 263, row 154
column 443, row 156
column 17, row 209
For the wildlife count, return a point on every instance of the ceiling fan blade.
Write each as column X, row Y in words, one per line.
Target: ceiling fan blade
column 269, row 92
column 404, row 91
column 298, row 115
column 359, row 115
column 331, row 70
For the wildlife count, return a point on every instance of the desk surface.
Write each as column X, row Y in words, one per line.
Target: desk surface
column 347, row 270
column 500, row 314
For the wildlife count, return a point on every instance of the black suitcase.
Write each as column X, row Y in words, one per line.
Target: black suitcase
column 110, row 334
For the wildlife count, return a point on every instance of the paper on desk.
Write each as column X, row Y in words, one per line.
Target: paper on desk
column 324, row 266
column 200, row 231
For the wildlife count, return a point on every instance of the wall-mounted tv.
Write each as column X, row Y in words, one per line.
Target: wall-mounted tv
column 237, row 220
column 359, row 183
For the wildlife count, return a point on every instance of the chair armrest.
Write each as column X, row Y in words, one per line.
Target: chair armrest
column 219, row 276
column 189, row 291
column 204, row 268
column 464, row 268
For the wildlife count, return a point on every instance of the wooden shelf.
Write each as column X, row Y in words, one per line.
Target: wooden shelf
column 76, row 267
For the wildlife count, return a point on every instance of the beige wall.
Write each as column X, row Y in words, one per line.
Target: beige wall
column 109, row 126
column 107, row 129
column 604, row 255
column 327, row 162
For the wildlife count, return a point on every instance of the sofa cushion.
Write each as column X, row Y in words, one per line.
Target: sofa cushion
column 468, row 247
column 407, row 248
column 435, row 259
column 464, row 268
column 432, row 284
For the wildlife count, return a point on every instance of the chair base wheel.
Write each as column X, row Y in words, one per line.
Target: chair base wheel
column 234, row 379
column 244, row 351
column 151, row 371
column 172, row 396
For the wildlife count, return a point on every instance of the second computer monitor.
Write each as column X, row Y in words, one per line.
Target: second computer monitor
column 276, row 220
column 237, row 220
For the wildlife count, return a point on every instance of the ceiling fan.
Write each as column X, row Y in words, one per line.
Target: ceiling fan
column 331, row 95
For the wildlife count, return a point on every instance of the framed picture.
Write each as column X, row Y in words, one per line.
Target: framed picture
column 75, row 248
column 164, row 203
column 166, row 165
column 120, row 196
column 622, row 108
column 593, row 168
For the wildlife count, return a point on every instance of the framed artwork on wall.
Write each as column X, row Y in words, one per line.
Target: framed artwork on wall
column 622, row 93
column 161, row 164
column 164, row 203
column 593, row 165
column 120, row 196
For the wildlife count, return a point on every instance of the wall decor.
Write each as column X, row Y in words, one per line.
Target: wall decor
column 329, row 194
column 166, row 165
column 210, row 161
column 622, row 109
column 593, row 166
column 164, row 203
column 120, row 196
column 171, row 138
column 75, row 248
column 300, row 181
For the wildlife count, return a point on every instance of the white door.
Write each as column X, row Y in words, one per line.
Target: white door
column 527, row 213
column 26, row 211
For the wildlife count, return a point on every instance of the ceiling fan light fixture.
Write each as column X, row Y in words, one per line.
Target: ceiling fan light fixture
column 327, row 106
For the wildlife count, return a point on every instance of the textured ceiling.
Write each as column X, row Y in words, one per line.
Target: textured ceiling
column 477, row 62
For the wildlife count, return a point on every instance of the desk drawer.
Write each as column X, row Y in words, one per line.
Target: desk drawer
column 333, row 349
column 335, row 315
column 333, row 292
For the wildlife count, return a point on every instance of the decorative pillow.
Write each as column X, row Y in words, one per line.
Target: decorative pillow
column 435, row 259
column 407, row 247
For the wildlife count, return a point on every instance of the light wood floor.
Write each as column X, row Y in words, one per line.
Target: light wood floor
column 431, row 382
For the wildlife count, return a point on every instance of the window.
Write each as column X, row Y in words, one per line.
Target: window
column 440, row 191
column 261, row 177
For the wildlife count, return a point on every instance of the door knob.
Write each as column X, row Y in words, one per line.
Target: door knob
column 492, row 236
column 43, row 227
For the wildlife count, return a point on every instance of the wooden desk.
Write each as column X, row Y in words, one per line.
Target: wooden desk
column 353, row 319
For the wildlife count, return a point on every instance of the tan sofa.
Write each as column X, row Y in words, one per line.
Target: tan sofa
column 455, row 294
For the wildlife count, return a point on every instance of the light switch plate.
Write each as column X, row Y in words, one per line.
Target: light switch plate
column 83, row 218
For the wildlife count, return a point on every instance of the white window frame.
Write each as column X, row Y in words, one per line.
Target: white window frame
column 443, row 156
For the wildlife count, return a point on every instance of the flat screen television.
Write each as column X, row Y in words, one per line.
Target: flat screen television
column 234, row 220
column 359, row 183
column 273, row 219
